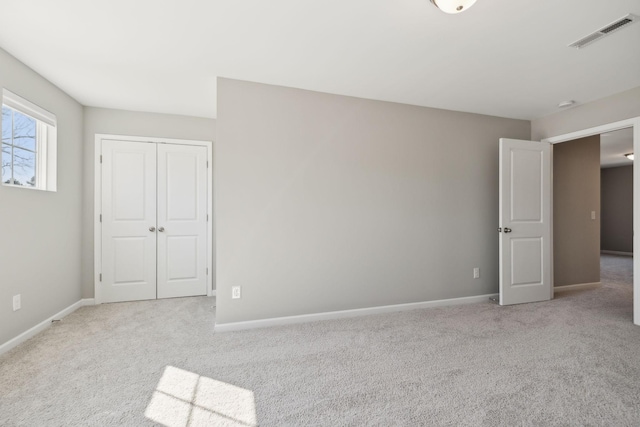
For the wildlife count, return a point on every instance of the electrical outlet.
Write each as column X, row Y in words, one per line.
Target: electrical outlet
column 476, row 273
column 593, row 214
column 17, row 304
column 235, row 292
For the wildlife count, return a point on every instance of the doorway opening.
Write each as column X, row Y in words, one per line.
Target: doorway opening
column 616, row 201
column 634, row 125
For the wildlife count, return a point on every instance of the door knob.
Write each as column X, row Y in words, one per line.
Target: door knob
column 161, row 229
column 152, row 229
column 507, row 230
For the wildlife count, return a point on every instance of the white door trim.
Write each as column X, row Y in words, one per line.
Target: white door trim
column 97, row 227
column 597, row 130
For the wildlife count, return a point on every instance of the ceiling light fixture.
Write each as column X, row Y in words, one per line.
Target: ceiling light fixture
column 453, row 6
column 629, row 156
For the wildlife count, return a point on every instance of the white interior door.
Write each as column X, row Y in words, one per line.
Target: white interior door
column 182, row 220
column 525, row 221
column 128, row 221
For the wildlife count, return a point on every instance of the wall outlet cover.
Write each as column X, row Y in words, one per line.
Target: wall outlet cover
column 476, row 273
column 235, row 292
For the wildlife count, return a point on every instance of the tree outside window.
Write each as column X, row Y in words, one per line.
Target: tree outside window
column 19, row 148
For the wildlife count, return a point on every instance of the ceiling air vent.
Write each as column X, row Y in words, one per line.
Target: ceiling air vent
column 623, row 22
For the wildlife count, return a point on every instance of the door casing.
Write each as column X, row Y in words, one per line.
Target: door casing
column 97, row 228
column 597, row 130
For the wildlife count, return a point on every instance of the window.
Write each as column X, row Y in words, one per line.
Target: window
column 28, row 144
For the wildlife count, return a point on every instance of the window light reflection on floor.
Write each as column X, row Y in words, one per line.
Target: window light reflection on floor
column 183, row 398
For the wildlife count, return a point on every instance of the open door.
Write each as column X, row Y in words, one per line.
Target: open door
column 525, row 221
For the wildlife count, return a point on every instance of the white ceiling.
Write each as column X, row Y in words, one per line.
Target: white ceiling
column 613, row 147
column 501, row 57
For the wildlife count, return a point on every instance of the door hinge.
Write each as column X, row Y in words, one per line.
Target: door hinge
column 207, row 217
column 100, row 217
column 100, row 158
column 207, row 271
column 207, row 164
column 101, row 277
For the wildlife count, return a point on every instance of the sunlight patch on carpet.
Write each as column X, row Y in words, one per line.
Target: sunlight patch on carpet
column 184, row 398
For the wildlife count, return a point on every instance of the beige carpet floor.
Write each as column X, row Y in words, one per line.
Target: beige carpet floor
column 571, row 361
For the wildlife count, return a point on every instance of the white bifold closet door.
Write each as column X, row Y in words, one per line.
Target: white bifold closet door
column 154, row 221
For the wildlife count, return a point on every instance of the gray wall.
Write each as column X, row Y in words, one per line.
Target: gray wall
column 616, row 232
column 40, row 231
column 576, row 193
column 130, row 123
column 624, row 105
column 327, row 202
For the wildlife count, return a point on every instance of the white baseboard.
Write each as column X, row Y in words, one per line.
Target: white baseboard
column 278, row 321
column 44, row 325
column 576, row 287
column 617, row 253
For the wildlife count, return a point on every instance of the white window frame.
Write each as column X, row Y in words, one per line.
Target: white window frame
column 46, row 140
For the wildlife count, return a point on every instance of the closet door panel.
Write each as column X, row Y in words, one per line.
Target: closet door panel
column 128, row 221
column 182, row 220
